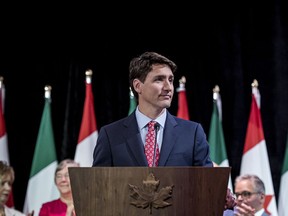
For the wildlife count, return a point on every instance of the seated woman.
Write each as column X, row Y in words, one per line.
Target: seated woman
column 64, row 205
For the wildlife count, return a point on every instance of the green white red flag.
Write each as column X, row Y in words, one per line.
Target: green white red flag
column 41, row 185
column 216, row 138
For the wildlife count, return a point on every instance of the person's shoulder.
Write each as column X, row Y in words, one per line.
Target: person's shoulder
column 184, row 121
column 122, row 121
column 52, row 202
column 184, row 124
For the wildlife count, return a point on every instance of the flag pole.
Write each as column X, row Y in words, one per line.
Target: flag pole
column 216, row 91
column 47, row 92
column 182, row 82
column 255, row 83
column 88, row 74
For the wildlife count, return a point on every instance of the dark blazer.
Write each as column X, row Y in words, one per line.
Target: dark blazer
column 184, row 144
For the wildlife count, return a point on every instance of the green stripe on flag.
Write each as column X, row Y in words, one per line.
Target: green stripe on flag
column 45, row 152
column 133, row 102
column 216, row 138
column 285, row 163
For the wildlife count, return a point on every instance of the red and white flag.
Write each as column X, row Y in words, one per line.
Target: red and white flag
column 255, row 157
column 182, row 100
column 88, row 132
column 4, row 153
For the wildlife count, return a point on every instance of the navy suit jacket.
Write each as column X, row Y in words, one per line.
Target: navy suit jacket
column 120, row 144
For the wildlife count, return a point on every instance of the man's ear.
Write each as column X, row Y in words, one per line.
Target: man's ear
column 137, row 85
column 262, row 197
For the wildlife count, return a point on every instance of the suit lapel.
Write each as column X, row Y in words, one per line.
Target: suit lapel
column 134, row 142
column 169, row 139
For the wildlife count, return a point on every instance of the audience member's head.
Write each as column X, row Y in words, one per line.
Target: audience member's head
column 250, row 190
column 6, row 180
column 62, row 179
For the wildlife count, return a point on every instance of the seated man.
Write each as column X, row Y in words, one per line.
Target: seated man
column 250, row 194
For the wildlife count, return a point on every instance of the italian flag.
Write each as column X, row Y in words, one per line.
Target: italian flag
column 4, row 153
column 41, row 186
column 255, row 157
column 283, row 191
column 88, row 130
column 216, row 139
column 182, row 100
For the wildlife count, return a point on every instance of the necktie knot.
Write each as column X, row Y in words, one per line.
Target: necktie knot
column 151, row 125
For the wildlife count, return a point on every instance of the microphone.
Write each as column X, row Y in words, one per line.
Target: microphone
column 156, row 128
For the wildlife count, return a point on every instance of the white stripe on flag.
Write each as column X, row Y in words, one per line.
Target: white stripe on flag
column 38, row 192
column 84, row 150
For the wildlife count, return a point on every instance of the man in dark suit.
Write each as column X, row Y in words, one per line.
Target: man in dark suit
column 180, row 142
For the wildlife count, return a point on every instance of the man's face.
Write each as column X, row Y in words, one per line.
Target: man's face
column 245, row 192
column 156, row 92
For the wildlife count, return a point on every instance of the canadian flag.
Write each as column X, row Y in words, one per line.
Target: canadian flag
column 255, row 157
column 88, row 131
column 4, row 153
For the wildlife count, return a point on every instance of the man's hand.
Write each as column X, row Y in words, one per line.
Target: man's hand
column 230, row 200
column 243, row 209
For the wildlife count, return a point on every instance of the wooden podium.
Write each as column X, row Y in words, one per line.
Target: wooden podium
column 143, row 191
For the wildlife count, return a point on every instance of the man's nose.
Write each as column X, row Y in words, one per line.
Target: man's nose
column 168, row 85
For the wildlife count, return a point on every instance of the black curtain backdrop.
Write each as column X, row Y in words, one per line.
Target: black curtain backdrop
column 219, row 43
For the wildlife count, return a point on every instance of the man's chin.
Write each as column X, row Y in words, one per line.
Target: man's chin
column 166, row 105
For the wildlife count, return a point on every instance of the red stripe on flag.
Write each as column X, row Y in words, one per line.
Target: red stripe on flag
column 254, row 130
column 10, row 201
column 88, row 125
column 182, row 106
column 267, row 201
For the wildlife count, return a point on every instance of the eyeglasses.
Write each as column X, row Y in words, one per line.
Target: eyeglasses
column 245, row 194
column 59, row 176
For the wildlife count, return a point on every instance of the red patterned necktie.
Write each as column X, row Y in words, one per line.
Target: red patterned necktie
column 150, row 144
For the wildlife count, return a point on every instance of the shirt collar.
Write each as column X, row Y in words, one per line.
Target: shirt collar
column 143, row 120
column 260, row 212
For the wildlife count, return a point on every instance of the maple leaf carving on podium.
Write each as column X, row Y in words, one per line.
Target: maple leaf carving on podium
column 148, row 196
